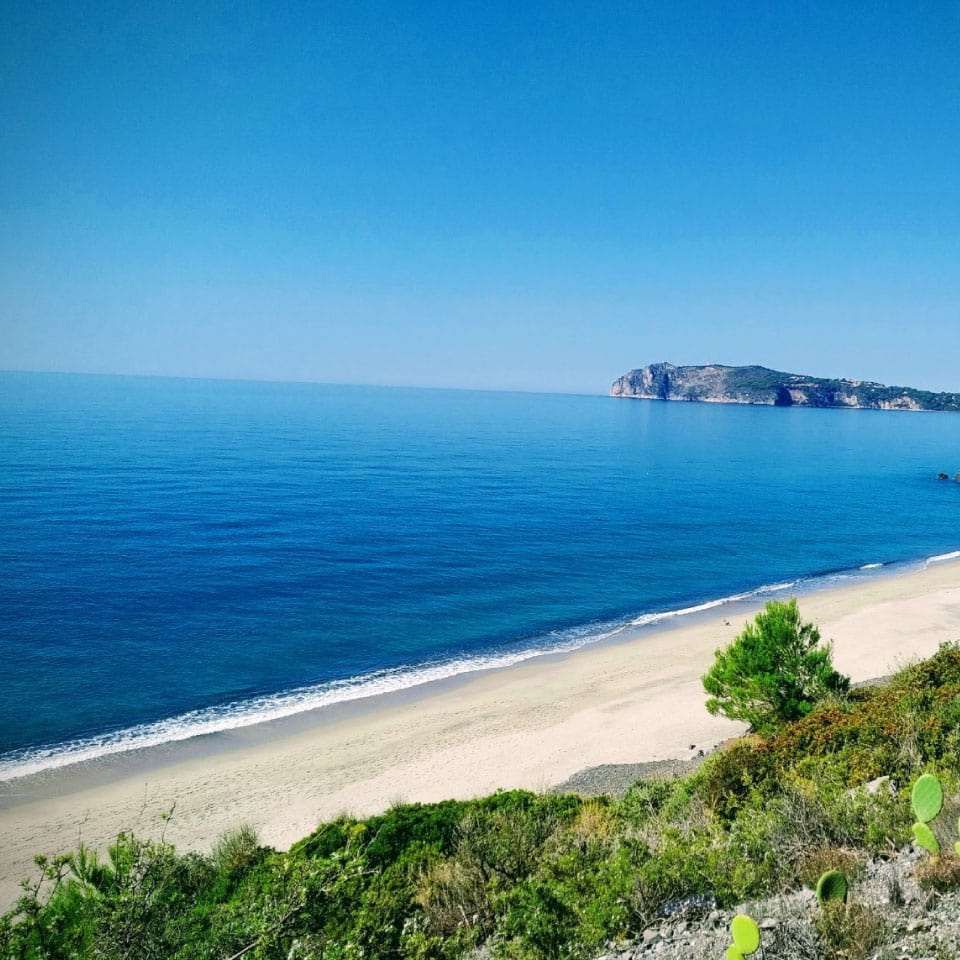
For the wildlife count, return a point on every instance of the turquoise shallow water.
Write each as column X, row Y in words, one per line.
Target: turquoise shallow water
column 184, row 556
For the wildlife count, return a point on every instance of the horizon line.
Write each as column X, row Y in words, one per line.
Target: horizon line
column 315, row 383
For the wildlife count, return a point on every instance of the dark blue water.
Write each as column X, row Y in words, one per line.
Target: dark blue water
column 180, row 556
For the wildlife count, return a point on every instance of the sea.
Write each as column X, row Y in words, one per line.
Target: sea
column 181, row 557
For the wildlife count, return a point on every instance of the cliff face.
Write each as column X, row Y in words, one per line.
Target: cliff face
column 719, row 384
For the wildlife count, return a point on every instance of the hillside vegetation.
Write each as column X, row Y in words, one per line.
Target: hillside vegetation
column 521, row 875
column 716, row 383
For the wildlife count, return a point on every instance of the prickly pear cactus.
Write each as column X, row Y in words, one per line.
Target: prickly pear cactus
column 832, row 886
column 924, row 837
column 746, row 935
column 733, row 953
column 927, row 797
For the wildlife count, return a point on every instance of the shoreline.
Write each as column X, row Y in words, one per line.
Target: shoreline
column 144, row 746
column 635, row 698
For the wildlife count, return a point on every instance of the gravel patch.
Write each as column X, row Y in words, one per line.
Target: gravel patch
column 615, row 779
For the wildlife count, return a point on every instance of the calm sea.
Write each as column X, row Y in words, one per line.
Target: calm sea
column 183, row 556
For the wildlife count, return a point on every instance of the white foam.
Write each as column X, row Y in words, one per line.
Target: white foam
column 773, row 588
column 871, row 566
column 940, row 558
column 246, row 713
column 647, row 618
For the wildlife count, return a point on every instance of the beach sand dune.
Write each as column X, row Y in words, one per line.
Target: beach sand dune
column 531, row 725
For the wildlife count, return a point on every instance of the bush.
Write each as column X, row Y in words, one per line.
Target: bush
column 773, row 672
column 237, row 850
column 537, row 924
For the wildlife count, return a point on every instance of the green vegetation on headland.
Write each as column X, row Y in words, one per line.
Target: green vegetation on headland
column 524, row 876
column 716, row 383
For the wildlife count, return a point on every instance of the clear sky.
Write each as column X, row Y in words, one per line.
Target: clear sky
column 535, row 195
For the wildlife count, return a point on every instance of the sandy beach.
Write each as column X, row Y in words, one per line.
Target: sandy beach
column 531, row 725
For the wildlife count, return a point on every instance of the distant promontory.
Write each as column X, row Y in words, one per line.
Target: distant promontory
column 719, row 384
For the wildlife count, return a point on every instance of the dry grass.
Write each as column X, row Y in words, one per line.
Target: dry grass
column 821, row 859
column 939, row 873
column 236, row 850
column 850, row 930
column 595, row 821
column 453, row 897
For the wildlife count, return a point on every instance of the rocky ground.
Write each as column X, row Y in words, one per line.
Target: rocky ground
column 615, row 779
column 887, row 906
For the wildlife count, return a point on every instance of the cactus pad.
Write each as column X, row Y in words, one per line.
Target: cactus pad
column 733, row 953
column 924, row 837
column 927, row 798
column 746, row 934
column 832, row 886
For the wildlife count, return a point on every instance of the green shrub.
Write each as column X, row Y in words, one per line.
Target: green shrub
column 773, row 672
column 237, row 850
column 646, row 798
column 537, row 924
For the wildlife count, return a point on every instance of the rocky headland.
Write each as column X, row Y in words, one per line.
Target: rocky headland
column 759, row 385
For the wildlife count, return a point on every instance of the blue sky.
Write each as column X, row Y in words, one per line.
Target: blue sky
column 496, row 195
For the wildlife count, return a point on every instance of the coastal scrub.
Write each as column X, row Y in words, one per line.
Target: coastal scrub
column 522, row 876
